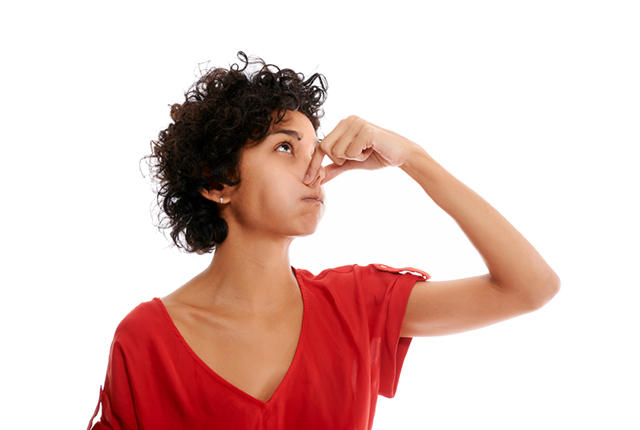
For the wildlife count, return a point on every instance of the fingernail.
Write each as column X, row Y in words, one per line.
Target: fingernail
column 307, row 177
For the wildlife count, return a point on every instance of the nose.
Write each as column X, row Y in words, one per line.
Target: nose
column 320, row 175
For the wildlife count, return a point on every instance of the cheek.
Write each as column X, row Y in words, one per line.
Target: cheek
column 271, row 190
column 269, row 196
column 278, row 196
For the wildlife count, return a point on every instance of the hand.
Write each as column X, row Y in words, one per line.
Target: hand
column 358, row 144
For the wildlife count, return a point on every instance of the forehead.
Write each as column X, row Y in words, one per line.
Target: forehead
column 293, row 119
column 295, row 125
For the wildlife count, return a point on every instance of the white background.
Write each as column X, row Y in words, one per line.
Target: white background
column 533, row 105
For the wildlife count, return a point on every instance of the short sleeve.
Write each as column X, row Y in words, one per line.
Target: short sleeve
column 118, row 412
column 386, row 290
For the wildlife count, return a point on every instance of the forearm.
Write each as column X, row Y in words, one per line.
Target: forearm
column 513, row 263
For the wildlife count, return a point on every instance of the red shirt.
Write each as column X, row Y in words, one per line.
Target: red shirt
column 349, row 351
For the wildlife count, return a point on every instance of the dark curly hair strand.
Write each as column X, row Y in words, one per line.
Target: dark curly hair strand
column 223, row 112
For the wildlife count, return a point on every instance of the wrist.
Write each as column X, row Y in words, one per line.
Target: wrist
column 413, row 153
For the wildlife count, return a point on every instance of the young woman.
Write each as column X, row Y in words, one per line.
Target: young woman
column 254, row 343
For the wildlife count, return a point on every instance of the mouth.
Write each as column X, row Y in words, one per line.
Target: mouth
column 313, row 200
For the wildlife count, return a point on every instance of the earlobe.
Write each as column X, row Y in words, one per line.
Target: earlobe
column 210, row 195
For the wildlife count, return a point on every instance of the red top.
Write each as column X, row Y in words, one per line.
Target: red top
column 348, row 352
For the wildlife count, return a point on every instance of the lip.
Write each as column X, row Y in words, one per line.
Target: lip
column 313, row 200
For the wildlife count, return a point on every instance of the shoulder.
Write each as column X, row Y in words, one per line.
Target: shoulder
column 399, row 270
column 137, row 322
column 384, row 270
column 363, row 273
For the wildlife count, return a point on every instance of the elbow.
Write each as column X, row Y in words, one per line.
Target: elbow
column 546, row 292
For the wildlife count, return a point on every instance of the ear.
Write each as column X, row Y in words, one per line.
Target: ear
column 213, row 194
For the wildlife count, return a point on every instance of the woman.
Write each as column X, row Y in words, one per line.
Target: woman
column 254, row 343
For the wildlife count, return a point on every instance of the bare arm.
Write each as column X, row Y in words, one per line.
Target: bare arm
column 513, row 263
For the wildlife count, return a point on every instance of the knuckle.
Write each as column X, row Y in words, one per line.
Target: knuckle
column 349, row 153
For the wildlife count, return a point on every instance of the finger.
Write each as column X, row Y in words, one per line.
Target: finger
column 333, row 170
column 348, row 146
column 314, row 165
column 330, row 172
column 324, row 148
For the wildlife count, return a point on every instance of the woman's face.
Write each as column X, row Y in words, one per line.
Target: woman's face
column 269, row 198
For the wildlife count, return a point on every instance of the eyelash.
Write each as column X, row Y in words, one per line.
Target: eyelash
column 285, row 143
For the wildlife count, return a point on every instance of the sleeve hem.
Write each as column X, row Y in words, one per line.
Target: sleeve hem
column 97, row 425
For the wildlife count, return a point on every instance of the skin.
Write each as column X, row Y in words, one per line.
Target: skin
column 247, row 302
column 265, row 212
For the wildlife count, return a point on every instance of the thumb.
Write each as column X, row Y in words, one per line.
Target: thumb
column 332, row 170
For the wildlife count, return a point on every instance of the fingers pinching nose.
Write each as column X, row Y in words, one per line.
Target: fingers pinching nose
column 307, row 178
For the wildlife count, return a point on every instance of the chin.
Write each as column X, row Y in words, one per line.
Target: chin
column 309, row 230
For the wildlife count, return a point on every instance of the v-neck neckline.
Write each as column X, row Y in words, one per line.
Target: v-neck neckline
column 292, row 365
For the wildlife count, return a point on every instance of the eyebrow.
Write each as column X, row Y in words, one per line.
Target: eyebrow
column 292, row 133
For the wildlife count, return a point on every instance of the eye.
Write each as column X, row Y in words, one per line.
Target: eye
column 285, row 144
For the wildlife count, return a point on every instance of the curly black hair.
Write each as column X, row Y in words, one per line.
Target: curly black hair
column 223, row 112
